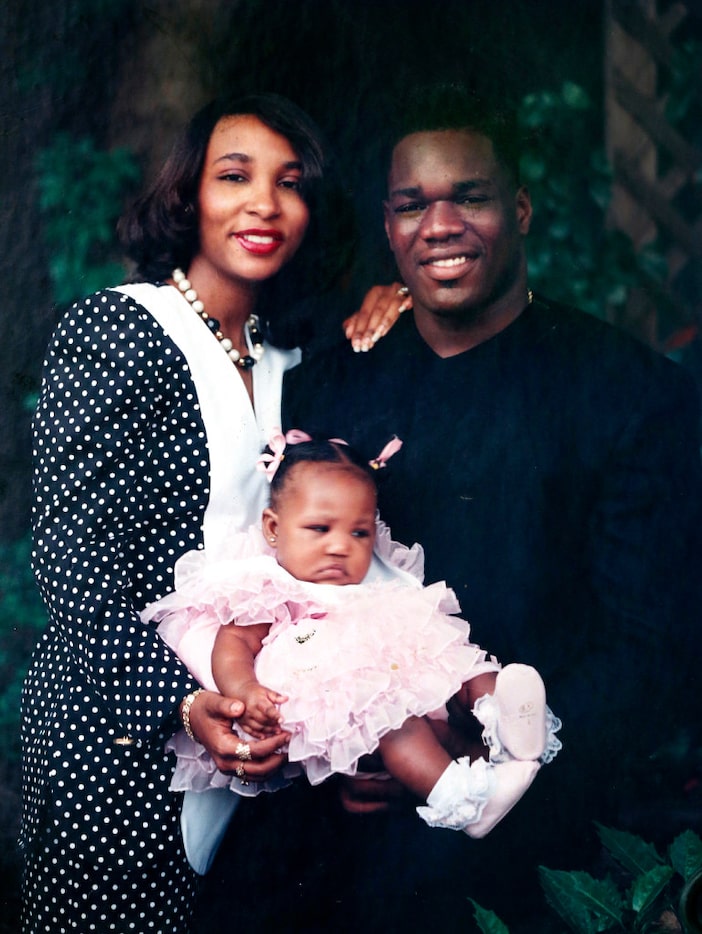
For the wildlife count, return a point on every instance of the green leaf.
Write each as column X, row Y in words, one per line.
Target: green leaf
column 648, row 887
column 532, row 167
column 487, row 921
column 686, row 854
column 630, row 851
column 560, row 229
column 81, row 190
column 601, row 192
column 586, row 904
column 575, row 96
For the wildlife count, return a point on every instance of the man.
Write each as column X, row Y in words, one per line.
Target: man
column 551, row 471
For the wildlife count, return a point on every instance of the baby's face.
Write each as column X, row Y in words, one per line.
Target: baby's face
column 325, row 524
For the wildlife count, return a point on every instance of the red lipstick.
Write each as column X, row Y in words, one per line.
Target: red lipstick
column 258, row 241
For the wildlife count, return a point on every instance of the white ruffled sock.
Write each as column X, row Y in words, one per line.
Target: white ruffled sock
column 475, row 796
column 459, row 796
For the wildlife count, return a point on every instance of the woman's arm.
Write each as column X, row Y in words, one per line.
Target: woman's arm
column 101, row 523
column 120, row 491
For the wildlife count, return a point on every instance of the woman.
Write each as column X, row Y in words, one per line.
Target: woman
column 156, row 400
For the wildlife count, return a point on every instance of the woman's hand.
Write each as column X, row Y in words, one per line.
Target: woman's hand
column 211, row 717
column 381, row 308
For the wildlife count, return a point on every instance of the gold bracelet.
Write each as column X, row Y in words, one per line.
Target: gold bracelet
column 185, row 714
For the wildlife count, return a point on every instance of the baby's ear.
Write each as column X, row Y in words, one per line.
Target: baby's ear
column 269, row 522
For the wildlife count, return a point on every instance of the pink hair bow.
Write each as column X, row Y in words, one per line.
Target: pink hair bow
column 269, row 463
column 295, row 436
column 392, row 447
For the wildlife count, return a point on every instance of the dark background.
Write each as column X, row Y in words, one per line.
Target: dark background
column 83, row 79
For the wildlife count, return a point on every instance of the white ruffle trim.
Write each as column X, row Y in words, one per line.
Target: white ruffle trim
column 460, row 795
column 486, row 710
column 397, row 555
column 195, row 771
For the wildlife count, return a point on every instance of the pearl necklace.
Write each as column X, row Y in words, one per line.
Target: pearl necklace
column 253, row 330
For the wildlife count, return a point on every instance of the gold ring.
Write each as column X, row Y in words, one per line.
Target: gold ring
column 243, row 752
column 240, row 773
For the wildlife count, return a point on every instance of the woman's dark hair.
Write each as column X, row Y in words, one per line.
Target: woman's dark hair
column 318, row 452
column 160, row 230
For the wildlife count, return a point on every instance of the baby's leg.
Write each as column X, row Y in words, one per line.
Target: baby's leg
column 460, row 794
column 519, row 730
column 414, row 756
column 457, row 792
column 471, row 690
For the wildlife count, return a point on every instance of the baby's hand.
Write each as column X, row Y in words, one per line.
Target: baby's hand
column 261, row 718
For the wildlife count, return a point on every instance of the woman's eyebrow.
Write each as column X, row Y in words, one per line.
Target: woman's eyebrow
column 242, row 157
column 234, row 157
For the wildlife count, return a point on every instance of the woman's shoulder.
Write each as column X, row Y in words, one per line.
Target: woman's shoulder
column 111, row 304
column 123, row 319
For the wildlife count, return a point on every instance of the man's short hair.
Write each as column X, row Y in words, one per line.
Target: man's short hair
column 454, row 107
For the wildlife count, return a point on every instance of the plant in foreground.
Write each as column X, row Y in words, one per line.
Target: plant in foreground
column 644, row 898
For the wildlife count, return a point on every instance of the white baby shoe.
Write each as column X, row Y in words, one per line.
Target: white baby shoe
column 510, row 782
column 517, row 723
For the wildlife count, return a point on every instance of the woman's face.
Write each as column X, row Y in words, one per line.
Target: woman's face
column 252, row 216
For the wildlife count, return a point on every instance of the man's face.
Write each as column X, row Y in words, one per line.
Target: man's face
column 455, row 222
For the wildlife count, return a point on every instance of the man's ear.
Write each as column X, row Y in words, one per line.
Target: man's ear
column 386, row 221
column 269, row 522
column 523, row 210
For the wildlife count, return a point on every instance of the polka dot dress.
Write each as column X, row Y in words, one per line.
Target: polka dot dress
column 121, row 485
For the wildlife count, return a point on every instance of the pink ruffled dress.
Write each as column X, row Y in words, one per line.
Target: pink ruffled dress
column 355, row 661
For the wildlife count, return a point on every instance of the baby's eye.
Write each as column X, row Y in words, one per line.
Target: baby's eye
column 361, row 533
column 318, row 528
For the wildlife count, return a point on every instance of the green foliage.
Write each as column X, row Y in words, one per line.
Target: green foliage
column 572, row 255
column 648, row 887
column 487, row 921
column 686, row 854
column 586, row 904
column 638, row 901
column 81, row 193
column 682, row 100
column 633, row 853
column 22, row 619
column 592, row 905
